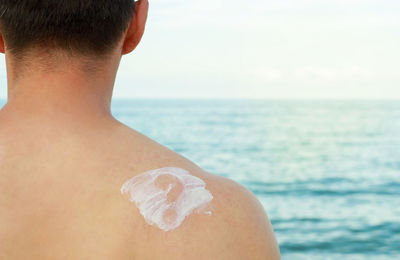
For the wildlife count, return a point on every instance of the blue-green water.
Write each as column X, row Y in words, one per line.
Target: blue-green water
column 328, row 173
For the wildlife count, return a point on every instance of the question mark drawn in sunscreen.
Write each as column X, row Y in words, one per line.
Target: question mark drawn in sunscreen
column 166, row 196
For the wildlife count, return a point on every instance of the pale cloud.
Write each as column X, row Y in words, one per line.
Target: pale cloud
column 333, row 74
column 307, row 74
column 269, row 74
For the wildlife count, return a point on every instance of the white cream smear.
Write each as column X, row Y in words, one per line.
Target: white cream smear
column 166, row 196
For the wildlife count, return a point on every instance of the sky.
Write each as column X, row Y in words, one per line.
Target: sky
column 264, row 49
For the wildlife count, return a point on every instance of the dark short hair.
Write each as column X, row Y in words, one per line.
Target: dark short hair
column 89, row 27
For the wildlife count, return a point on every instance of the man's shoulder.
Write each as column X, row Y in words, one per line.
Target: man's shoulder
column 237, row 228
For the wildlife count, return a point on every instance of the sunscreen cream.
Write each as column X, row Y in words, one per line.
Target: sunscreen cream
column 166, row 196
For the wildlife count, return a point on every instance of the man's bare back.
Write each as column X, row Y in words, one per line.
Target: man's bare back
column 64, row 158
column 60, row 199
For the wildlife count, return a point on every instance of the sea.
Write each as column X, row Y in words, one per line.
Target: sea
column 326, row 172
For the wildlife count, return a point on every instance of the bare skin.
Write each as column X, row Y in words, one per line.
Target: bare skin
column 63, row 159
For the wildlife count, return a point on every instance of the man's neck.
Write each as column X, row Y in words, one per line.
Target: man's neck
column 67, row 94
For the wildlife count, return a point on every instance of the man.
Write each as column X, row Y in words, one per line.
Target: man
column 64, row 158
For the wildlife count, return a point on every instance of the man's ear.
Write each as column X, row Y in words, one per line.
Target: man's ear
column 2, row 45
column 136, row 27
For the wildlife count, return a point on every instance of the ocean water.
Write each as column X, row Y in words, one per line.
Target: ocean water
column 327, row 172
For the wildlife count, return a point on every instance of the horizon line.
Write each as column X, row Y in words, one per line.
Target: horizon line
column 250, row 99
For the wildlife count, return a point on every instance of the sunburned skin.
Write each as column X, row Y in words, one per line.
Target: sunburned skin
column 166, row 196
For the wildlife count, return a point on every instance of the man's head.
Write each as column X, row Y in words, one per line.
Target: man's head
column 90, row 28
